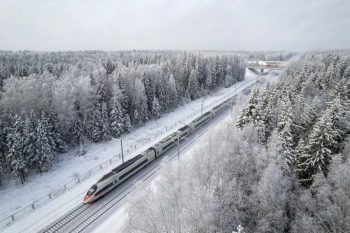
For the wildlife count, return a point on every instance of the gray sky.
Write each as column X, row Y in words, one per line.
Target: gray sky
column 178, row 24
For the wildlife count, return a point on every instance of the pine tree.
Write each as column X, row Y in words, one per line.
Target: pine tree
column 149, row 89
column 55, row 138
column 43, row 148
column 249, row 113
column 136, row 118
column 163, row 94
column 307, row 120
column 193, row 85
column 266, row 123
column 155, row 108
column 29, row 144
column 105, row 131
column 109, row 67
column 209, row 80
column 125, row 100
column 15, row 154
column 284, row 129
column 317, row 154
column 172, row 93
column 77, row 133
column 117, row 120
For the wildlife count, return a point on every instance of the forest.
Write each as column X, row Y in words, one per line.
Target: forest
column 281, row 164
column 52, row 102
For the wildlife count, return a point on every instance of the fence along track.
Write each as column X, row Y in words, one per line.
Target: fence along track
column 64, row 222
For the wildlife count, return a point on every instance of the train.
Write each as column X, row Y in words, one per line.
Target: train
column 121, row 173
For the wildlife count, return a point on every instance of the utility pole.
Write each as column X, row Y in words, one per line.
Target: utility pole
column 121, row 146
column 202, row 106
column 178, row 145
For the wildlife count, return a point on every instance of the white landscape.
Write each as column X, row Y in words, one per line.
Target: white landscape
column 175, row 116
column 70, row 164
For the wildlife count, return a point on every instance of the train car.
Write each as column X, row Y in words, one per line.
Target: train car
column 119, row 175
column 199, row 121
column 165, row 143
column 183, row 131
column 218, row 108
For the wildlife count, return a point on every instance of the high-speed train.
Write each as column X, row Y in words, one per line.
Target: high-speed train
column 121, row 173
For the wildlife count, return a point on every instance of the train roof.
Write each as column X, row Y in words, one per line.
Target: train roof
column 167, row 138
column 184, row 128
column 119, row 168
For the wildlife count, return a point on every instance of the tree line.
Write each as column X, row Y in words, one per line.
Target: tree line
column 54, row 101
column 280, row 165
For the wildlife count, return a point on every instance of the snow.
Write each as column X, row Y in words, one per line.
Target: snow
column 69, row 166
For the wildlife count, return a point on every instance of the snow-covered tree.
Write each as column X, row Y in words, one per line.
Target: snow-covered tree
column 163, row 94
column 139, row 104
column 155, row 108
column 193, row 85
column 43, row 148
column 117, row 120
column 55, row 138
column 29, row 143
column 149, row 90
column 317, row 154
column 249, row 112
column 284, row 129
column 15, row 154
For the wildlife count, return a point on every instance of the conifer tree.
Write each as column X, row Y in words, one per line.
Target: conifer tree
column 266, row 123
column 43, row 148
column 307, row 120
column 149, row 89
column 209, row 80
column 29, row 143
column 117, row 119
column 163, row 94
column 15, row 154
column 155, row 108
column 77, row 134
column 249, row 113
column 193, row 85
column 172, row 93
column 105, row 131
column 124, row 100
column 317, row 154
column 54, row 136
column 284, row 129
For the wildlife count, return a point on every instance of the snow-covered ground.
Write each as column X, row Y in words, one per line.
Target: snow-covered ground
column 15, row 196
column 115, row 222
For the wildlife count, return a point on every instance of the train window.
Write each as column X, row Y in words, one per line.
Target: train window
column 142, row 163
column 106, row 187
column 92, row 189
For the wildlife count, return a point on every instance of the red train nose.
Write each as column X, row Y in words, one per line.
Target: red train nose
column 87, row 196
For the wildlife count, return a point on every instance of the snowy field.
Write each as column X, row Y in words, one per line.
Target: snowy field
column 15, row 196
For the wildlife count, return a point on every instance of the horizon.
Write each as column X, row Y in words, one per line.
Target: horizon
column 195, row 25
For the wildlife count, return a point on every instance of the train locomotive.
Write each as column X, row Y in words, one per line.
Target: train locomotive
column 121, row 173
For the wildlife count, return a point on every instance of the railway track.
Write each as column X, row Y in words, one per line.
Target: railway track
column 68, row 220
column 103, row 209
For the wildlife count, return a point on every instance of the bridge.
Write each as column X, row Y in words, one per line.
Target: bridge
column 265, row 65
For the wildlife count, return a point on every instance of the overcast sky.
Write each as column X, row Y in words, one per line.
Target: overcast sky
column 178, row 24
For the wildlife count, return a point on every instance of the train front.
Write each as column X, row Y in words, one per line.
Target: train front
column 89, row 196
